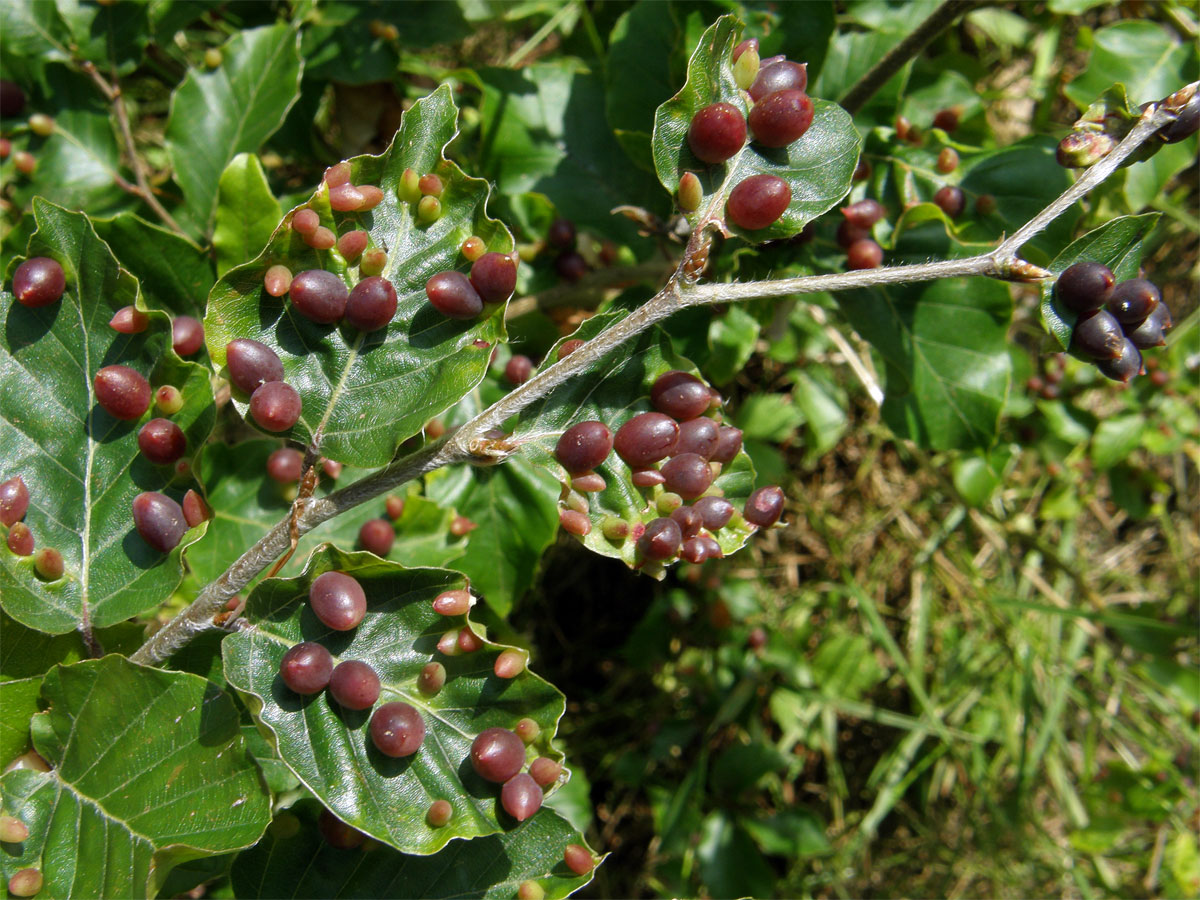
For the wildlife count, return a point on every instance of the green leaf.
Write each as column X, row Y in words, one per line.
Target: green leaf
column 112, row 35
column 732, row 337
column 1146, row 180
column 77, row 165
column 246, row 505
column 945, row 349
column 845, row 667
column 25, row 652
column 730, row 864
column 367, row 393
column 817, row 166
column 19, row 700
column 175, row 275
column 232, row 109
column 1024, row 178
column 149, row 769
column 824, row 406
column 338, row 44
column 294, row 861
column 794, row 833
column 514, row 507
column 81, row 465
column 613, row 390
column 1117, row 243
column 638, row 74
column 32, row 33
column 329, row 748
column 1143, row 56
column 542, row 131
column 247, row 212
column 1116, row 438
column 851, row 55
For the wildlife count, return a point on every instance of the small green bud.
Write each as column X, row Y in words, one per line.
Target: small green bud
column 667, row 503
column 527, row 730
column 373, row 262
column 41, row 125
column 690, row 192
column 48, row 563
column 168, row 400
column 745, row 70
column 614, row 528
column 429, row 210
column 212, row 57
column 410, row 186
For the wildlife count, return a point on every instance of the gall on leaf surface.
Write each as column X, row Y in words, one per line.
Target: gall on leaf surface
column 365, row 393
column 298, row 862
column 614, row 390
column 1117, row 244
column 82, row 466
column 149, row 769
column 817, row 167
column 329, row 748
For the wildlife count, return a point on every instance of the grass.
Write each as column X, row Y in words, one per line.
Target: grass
column 968, row 700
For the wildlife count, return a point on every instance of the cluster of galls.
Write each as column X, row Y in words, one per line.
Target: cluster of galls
column 1115, row 321
column 322, row 297
column 125, row 394
column 781, row 113
column 397, row 729
column 695, row 447
column 24, row 882
column 12, row 103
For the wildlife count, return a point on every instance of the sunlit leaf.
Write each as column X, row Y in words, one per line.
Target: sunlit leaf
column 364, row 394
column 82, row 466
column 329, row 748
column 817, row 166
column 128, row 797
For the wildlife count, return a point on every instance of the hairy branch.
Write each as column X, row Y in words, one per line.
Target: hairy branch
column 679, row 293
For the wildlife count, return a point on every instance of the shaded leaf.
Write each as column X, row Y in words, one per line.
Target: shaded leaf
column 175, row 275
column 329, row 748
column 247, row 212
column 232, row 109
column 1143, row 56
column 1023, row 178
column 817, row 166
column 32, row 33
column 19, row 700
column 1117, row 243
column 730, row 863
column 366, row 393
column 543, row 131
column 25, row 652
column 127, row 798
column 945, row 348
column 81, row 465
column 293, row 860
column 78, row 164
